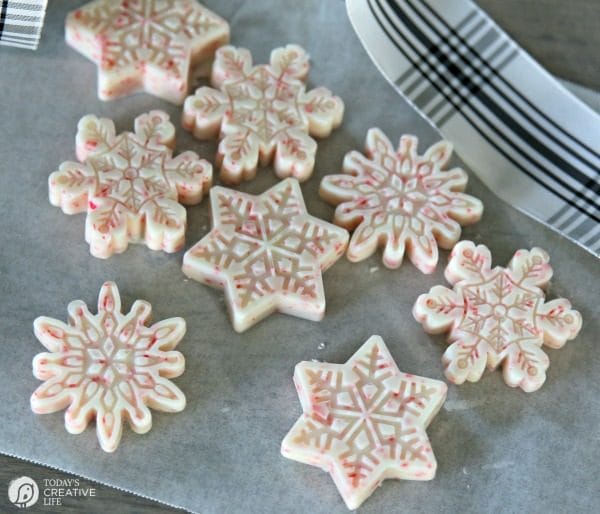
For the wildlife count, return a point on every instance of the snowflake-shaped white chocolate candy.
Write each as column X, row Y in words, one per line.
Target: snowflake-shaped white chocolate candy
column 267, row 253
column 109, row 366
column 262, row 113
column 497, row 316
column 400, row 200
column 364, row 421
column 130, row 185
column 146, row 45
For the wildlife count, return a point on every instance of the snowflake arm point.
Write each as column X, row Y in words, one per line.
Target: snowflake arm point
column 154, row 128
column 525, row 366
column 94, row 136
column 377, row 144
column 531, row 267
column 423, row 251
column 203, row 112
column 323, row 110
column 438, row 154
column 465, row 360
column 69, row 187
column 237, row 156
column 558, row 322
column 291, row 61
column 166, row 221
column 438, row 310
column 295, row 155
column 364, row 240
column 191, row 176
column 465, row 209
column 468, row 262
column 231, row 64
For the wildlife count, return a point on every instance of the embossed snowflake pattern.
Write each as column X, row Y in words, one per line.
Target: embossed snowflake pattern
column 267, row 253
column 364, row 421
column 262, row 113
column 400, row 200
column 497, row 316
column 109, row 366
column 130, row 185
column 146, row 45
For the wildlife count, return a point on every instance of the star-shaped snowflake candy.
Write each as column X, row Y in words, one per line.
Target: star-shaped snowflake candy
column 267, row 253
column 400, row 200
column 497, row 316
column 262, row 113
column 109, row 366
column 146, row 45
column 364, row 421
column 130, row 185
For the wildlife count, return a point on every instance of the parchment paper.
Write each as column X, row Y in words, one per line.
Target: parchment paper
column 497, row 448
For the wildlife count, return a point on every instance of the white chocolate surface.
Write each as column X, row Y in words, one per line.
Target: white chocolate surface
column 497, row 316
column 262, row 113
column 267, row 253
column 364, row 421
column 108, row 366
column 130, row 185
column 146, row 45
column 400, row 200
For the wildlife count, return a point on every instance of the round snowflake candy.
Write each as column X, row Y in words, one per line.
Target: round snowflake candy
column 108, row 366
column 262, row 113
column 497, row 316
column 403, row 201
column 364, row 421
column 130, row 185
column 146, row 45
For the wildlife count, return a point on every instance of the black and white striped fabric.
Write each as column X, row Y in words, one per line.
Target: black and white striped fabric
column 532, row 142
column 21, row 22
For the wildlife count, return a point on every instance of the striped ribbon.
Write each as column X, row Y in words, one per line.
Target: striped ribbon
column 21, row 22
column 531, row 141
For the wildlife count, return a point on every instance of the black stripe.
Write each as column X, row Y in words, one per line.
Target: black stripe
column 417, row 65
column 467, row 19
column 26, row 30
column 26, row 7
column 558, row 214
column 12, row 41
column 24, row 17
column 475, row 90
column 509, row 58
column 510, row 86
column 3, row 15
column 489, row 102
column 593, row 242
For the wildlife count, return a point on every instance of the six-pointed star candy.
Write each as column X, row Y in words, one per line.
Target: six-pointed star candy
column 130, row 185
column 262, row 113
column 146, row 45
column 109, row 366
column 497, row 316
column 267, row 253
column 400, row 200
column 364, row 421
